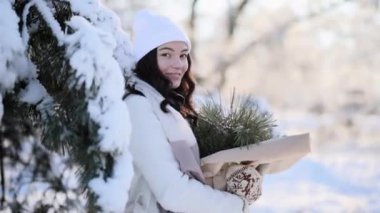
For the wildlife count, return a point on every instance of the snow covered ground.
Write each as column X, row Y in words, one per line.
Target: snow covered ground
column 342, row 176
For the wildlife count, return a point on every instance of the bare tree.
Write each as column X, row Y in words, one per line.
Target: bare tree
column 192, row 21
column 225, row 62
column 233, row 14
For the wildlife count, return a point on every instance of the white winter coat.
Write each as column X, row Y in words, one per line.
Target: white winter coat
column 157, row 177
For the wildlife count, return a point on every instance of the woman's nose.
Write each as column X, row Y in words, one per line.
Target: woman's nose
column 177, row 62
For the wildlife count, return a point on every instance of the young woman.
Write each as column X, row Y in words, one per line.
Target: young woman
column 167, row 176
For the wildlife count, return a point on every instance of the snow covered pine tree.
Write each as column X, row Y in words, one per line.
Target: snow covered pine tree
column 61, row 86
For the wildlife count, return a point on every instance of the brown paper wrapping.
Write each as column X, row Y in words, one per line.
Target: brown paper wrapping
column 271, row 156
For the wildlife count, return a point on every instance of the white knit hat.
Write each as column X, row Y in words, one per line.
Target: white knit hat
column 151, row 30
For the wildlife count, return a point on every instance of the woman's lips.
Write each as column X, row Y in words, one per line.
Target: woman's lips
column 174, row 76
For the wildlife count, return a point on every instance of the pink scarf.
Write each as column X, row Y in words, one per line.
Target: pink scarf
column 177, row 130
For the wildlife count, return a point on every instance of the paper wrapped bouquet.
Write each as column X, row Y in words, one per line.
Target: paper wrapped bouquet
column 243, row 134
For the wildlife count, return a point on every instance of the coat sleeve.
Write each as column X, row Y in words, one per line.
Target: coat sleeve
column 152, row 155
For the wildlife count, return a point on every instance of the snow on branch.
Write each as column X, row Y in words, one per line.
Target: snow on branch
column 93, row 49
column 90, row 50
column 49, row 18
column 105, row 19
column 13, row 63
column 1, row 107
column 37, row 179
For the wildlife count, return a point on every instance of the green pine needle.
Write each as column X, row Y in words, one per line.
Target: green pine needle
column 220, row 128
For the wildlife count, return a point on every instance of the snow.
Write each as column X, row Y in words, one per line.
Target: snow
column 32, row 190
column 326, row 39
column 340, row 177
column 363, row 171
column 116, row 185
column 91, row 50
column 24, row 31
column 90, row 40
column 123, row 52
column 59, row 164
column 26, row 152
column 105, row 19
column 94, row 64
column 349, row 9
column 86, row 8
column 49, row 18
column 13, row 63
column 311, row 186
column 1, row 107
column 299, row 8
column 33, row 93
column 100, row 53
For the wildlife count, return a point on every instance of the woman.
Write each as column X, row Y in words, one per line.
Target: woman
column 164, row 149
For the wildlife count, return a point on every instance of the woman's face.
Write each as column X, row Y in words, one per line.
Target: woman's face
column 172, row 61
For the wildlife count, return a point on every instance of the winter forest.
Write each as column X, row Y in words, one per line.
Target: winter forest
column 64, row 129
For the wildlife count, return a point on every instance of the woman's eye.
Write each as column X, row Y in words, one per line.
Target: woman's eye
column 165, row 54
column 183, row 55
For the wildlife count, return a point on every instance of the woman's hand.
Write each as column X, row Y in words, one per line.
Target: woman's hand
column 244, row 181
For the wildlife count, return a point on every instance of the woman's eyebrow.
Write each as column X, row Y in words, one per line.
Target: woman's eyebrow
column 171, row 49
column 166, row 48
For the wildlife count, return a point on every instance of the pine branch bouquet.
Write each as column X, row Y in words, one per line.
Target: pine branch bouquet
column 240, row 124
column 238, row 143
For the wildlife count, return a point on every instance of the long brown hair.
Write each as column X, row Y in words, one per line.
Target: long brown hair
column 180, row 98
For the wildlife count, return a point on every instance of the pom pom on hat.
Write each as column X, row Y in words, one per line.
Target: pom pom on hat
column 151, row 30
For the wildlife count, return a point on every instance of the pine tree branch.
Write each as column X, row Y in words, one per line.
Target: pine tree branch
column 69, row 127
